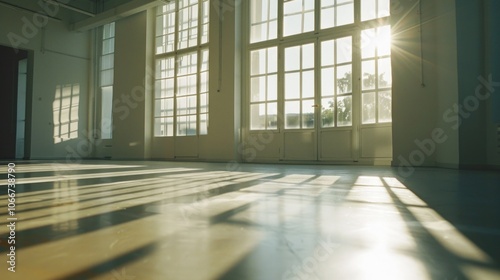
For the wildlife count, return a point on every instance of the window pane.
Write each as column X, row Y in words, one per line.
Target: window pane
column 165, row 68
column 368, row 74
column 368, row 9
column 368, row 43
column 327, row 81
column 384, row 73
column 308, row 84
column 345, row 14
column 384, row 106
column 336, row 14
column 308, row 113
column 108, row 46
column 292, row 58
column 191, row 130
column 368, row 104
column 106, row 112
column 107, row 77
column 203, row 124
column 263, row 20
column 298, row 17
column 292, row 85
column 272, row 115
column 344, row 111
column 384, row 40
column 258, row 116
column 384, row 8
column 182, row 125
column 308, row 56
column 258, row 89
column 371, row 9
column 292, row 114
column 107, row 61
column 204, row 103
column 272, row 87
column 344, row 79
column 344, row 50
column 327, row 16
column 164, row 88
column 328, row 53
column 164, row 127
column 327, row 117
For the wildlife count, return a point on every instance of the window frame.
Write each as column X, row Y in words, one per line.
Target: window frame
column 201, row 47
column 352, row 29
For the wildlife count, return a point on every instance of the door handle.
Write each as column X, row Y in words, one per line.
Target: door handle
column 315, row 106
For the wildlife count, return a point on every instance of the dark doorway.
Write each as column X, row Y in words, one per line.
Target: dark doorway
column 14, row 77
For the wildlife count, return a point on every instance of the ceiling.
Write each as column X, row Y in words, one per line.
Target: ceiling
column 69, row 11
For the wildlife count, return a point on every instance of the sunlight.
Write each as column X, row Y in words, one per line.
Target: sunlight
column 96, row 175
column 65, row 112
column 369, row 181
column 376, row 39
column 382, row 263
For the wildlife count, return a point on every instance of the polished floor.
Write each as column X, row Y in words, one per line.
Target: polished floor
column 163, row 220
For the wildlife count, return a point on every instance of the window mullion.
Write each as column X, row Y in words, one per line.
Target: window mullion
column 176, row 66
column 280, row 19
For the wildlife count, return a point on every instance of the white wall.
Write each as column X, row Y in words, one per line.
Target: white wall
column 130, row 89
column 60, row 58
column 414, row 105
column 447, row 154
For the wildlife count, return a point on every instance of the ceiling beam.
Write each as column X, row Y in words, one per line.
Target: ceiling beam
column 125, row 10
column 75, row 9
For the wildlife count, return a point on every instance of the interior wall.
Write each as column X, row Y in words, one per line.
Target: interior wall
column 60, row 58
column 447, row 153
column 492, row 23
column 129, row 90
column 219, row 144
column 414, row 90
column 470, row 50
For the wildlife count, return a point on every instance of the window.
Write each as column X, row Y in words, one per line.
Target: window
column 263, row 20
column 264, row 95
column 299, row 86
column 106, row 79
column 336, row 13
column 298, row 17
column 304, row 57
column 336, row 82
column 376, row 75
column 182, row 69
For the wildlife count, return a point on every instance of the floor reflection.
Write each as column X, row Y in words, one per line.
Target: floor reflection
column 144, row 220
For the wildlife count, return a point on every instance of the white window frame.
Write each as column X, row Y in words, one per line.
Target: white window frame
column 353, row 29
column 201, row 49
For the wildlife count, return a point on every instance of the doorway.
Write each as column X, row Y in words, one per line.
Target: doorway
column 14, row 111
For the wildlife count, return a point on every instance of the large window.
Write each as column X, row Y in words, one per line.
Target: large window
column 377, row 79
column 182, row 68
column 106, row 79
column 335, row 58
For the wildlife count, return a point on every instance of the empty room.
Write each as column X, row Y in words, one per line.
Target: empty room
column 250, row 139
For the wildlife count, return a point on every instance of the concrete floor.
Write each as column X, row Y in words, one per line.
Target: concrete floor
column 163, row 220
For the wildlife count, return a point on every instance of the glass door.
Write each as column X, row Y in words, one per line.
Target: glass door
column 299, row 102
